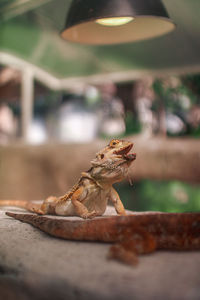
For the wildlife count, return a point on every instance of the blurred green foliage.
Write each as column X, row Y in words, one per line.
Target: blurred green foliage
column 171, row 95
column 179, row 96
column 192, row 82
column 133, row 125
column 172, row 196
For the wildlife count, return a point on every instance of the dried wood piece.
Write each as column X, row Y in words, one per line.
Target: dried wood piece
column 135, row 234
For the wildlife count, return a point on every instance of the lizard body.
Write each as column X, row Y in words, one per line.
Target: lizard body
column 88, row 198
column 140, row 233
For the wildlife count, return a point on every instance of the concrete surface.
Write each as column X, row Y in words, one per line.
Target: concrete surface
column 34, row 265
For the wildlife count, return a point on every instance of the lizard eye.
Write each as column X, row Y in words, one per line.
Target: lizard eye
column 102, row 156
column 114, row 142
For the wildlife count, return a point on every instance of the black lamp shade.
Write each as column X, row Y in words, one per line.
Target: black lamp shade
column 147, row 19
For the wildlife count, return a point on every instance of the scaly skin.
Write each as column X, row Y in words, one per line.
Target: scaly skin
column 88, row 198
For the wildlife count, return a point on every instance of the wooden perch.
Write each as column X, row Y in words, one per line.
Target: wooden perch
column 140, row 233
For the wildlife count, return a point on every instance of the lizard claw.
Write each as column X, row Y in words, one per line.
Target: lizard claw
column 89, row 215
column 38, row 211
column 123, row 213
column 92, row 214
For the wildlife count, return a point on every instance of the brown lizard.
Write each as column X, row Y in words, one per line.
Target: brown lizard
column 88, row 198
column 140, row 233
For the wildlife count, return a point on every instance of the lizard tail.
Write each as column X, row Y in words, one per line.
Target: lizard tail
column 28, row 205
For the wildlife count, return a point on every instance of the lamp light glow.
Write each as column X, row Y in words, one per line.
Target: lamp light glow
column 117, row 21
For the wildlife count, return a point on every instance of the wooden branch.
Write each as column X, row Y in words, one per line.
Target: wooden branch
column 134, row 234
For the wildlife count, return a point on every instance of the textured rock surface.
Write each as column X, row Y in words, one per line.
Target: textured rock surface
column 34, row 265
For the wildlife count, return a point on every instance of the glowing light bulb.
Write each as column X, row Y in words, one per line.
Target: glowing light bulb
column 117, row 21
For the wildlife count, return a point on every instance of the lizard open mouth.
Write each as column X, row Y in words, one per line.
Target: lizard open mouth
column 124, row 152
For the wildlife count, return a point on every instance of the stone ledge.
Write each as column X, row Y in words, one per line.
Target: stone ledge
column 34, row 265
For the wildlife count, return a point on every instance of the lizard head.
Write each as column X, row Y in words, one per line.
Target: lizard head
column 121, row 148
column 111, row 163
column 115, row 149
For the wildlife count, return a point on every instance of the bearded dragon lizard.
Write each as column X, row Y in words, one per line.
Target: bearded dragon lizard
column 88, row 198
column 135, row 234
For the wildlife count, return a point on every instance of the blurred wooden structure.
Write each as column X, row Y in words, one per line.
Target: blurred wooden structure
column 36, row 172
column 19, row 85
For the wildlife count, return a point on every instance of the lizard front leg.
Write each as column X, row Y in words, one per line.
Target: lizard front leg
column 81, row 210
column 114, row 197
